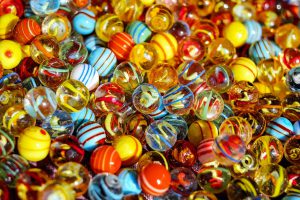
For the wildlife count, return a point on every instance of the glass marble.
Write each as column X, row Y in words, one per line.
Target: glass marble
column 281, row 128
column 12, row 6
column 65, row 148
column 293, row 172
column 191, row 48
column 109, row 97
column 90, row 135
column 82, row 116
column 179, row 123
column 293, row 79
column 34, row 144
column 291, row 107
column 161, row 136
column 246, row 167
column 105, row 186
column 128, row 178
column 183, row 181
column 200, row 130
column 107, row 25
column 244, row 11
column 292, row 150
column 76, row 5
column 236, row 32
column 261, row 50
column 40, row 102
column 270, row 106
column 9, row 77
column 76, row 175
column 290, row 58
column 11, row 166
column 152, row 157
column 159, row 18
column 257, row 122
column 57, row 190
column 128, row 10
column 72, row 96
column 287, row 36
column 270, row 71
column 121, row 44
column 205, row 30
column 254, row 31
column 8, row 22
column 219, row 78
column 43, row 7
column 267, row 149
column 136, row 125
column 205, row 153
column 105, row 159
column 220, row 51
column 16, row 119
column 127, row 76
column 30, row 183
column 243, row 96
column 84, row 22
column 10, row 95
column 139, row 31
column 26, row 68
column 26, row 30
column 226, row 113
column 243, row 69
column 191, row 74
column 154, row 179
column 271, row 179
column 92, row 42
column 57, row 26
column 103, row 60
column 163, row 76
column 73, row 52
column 187, row 12
column 59, row 123
column 242, row 188
column 86, row 74
column 53, row 72
column 237, row 126
column 129, row 149
column 179, row 30
column 178, row 100
column 144, row 56
column 182, row 154
column 7, row 142
column 165, row 44
column 113, row 124
column 270, row 21
column 229, row 149
column 214, row 180
column 208, row 105
column 202, row 194
column 44, row 47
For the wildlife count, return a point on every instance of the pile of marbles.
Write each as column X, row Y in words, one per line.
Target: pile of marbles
column 145, row 99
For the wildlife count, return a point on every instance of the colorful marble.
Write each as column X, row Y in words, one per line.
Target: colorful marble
column 139, row 31
column 90, row 135
column 103, row 60
column 86, row 74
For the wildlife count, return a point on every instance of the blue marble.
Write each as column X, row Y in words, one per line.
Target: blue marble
column 84, row 22
column 139, row 31
column 129, row 181
column 105, row 186
column 103, row 60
